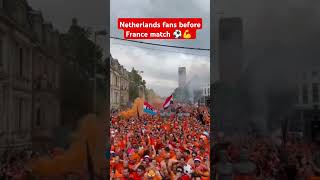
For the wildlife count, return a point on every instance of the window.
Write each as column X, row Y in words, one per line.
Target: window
column 305, row 94
column 304, row 75
column 116, row 81
column 230, row 29
column 38, row 118
column 20, row 106
column 1, row 52
column 314, row 73
column 20, row 62
column 315, row 92
column 116, row 96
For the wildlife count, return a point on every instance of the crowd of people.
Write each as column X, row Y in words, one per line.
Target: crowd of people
column 13, row 165
column 262, row 159
column 158, row 147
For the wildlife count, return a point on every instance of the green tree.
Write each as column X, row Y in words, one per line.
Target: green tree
column 135, row 82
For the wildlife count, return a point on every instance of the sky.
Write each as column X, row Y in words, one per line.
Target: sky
column 90, row 13
column 160, row 65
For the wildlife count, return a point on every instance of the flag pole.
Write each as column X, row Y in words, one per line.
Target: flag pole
column 89, row 163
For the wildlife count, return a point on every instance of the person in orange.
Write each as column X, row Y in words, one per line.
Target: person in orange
column 138, row 174
column 200, row 170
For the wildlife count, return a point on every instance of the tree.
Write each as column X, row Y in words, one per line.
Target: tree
column 149, row 93
column 136, row 81
column 78, row 72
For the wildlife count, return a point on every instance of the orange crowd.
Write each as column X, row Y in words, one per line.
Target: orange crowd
column 156, row 147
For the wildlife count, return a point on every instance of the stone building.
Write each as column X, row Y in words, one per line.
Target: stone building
column 29, row 76
column 119, row 84
column 307, row 114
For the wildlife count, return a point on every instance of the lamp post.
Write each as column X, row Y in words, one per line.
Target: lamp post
column 96, row 34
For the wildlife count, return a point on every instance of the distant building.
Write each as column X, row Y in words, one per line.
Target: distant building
column 119, row 84
column 205, row 95
column 29, row 76
column 182, row 76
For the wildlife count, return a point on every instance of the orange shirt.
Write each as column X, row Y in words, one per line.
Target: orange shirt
column 159, row 159
column 119, row 167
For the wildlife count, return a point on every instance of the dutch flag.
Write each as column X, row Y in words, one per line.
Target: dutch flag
column 147, row 108
column 168, row 101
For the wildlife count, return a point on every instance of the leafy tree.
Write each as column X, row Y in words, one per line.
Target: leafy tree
column 135, row 82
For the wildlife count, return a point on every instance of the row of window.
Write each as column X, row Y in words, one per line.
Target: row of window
column 206, row 91
column 22, row 108
column 314, row 93
column 314, row 74
column 23, row 66
column 116, row 81
column 117, row 98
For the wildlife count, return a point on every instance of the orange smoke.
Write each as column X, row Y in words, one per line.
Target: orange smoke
column 137, row 106
column 74, row 160
column 155, row 100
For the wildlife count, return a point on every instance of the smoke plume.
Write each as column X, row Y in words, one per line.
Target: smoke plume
column 74, row 159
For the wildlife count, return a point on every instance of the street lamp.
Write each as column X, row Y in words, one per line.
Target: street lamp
column 96, row 34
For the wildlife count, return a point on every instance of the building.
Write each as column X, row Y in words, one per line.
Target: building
column 182, row 76
column 205, row 95
column 307, row 115
column 119, row 84
column 29, row 76
column 243, row 38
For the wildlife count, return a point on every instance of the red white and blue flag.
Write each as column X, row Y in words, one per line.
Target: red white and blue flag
column 147, row 108
column 168, row 101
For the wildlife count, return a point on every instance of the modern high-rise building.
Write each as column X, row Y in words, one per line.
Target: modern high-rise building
column 182, row 76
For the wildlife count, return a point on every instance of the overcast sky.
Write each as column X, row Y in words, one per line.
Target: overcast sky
column 90, row 13
column 160, row 65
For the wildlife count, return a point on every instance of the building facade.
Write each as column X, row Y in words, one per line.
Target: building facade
column 119, row 84
column 307, row 115
column 205, row 94
column 182, row 76
column 29, row 76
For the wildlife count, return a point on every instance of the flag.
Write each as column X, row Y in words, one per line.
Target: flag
column 147, row 108
column 168, row 101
